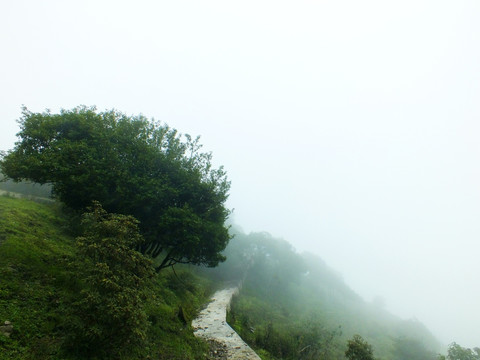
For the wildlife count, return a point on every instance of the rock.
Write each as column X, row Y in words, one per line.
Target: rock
column 6, row 329
column 218, row 351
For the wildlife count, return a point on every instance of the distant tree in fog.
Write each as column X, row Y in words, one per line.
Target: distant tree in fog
column 457, row 352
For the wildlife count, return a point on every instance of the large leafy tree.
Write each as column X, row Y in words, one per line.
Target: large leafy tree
column 132, row 166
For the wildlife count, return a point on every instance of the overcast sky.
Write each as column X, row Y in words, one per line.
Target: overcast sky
column 349, row 128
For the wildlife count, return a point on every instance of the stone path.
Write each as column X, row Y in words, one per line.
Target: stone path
column 211, row 325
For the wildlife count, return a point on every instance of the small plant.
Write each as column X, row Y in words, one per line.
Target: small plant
column 359, row 349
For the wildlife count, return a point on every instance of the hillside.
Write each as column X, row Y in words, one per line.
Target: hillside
column 39, row 284
column 291, row 306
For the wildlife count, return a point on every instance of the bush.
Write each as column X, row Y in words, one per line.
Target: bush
column 108, row 319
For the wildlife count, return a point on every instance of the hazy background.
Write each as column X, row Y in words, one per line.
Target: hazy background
column 349, row 128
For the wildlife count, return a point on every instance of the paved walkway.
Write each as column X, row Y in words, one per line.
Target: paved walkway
column 211, row 324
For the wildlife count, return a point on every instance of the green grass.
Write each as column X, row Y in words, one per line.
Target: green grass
column 38, row 284
column 34, row 252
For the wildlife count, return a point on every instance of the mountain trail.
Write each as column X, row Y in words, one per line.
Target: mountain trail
column 211, row 325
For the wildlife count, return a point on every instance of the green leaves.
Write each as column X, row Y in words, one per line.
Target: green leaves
column 109, row 316
column 457, row 352
column 132, row 166
column 359, row 349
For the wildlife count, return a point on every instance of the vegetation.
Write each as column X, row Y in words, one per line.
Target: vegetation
column 132, row 166
column 50, row 293
column 359, row 349
column 54, row 294
column 150, row 201
column 34, row 252
column 457, row 352
column 292, row 306
column 152, row 194
column 108, row 317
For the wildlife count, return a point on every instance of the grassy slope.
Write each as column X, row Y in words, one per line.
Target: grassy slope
column 37, row 285
column 34, row 250
column 276, row 328
column 291, row 307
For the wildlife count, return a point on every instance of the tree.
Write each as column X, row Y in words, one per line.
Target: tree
column 132, row 166
column 108, row 318
column 359, row 349
column 457, row 352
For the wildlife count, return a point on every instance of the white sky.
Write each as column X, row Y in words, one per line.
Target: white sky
column 350, row 128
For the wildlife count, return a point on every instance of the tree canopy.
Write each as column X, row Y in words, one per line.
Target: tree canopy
column 132, row 166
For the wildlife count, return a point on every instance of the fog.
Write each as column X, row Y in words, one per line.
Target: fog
column 348, row 128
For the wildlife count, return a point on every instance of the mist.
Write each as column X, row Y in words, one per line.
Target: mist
column 348, row 128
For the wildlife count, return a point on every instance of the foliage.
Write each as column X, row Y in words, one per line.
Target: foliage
column 277, row 336
column 359, row 349
column 38, row 288
column 457, row 352
column 293, row 306
column 132, row 166
column 270, row 313
column 108, row 318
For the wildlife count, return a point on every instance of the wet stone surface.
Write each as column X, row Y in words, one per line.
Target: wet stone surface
column 211, row 325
